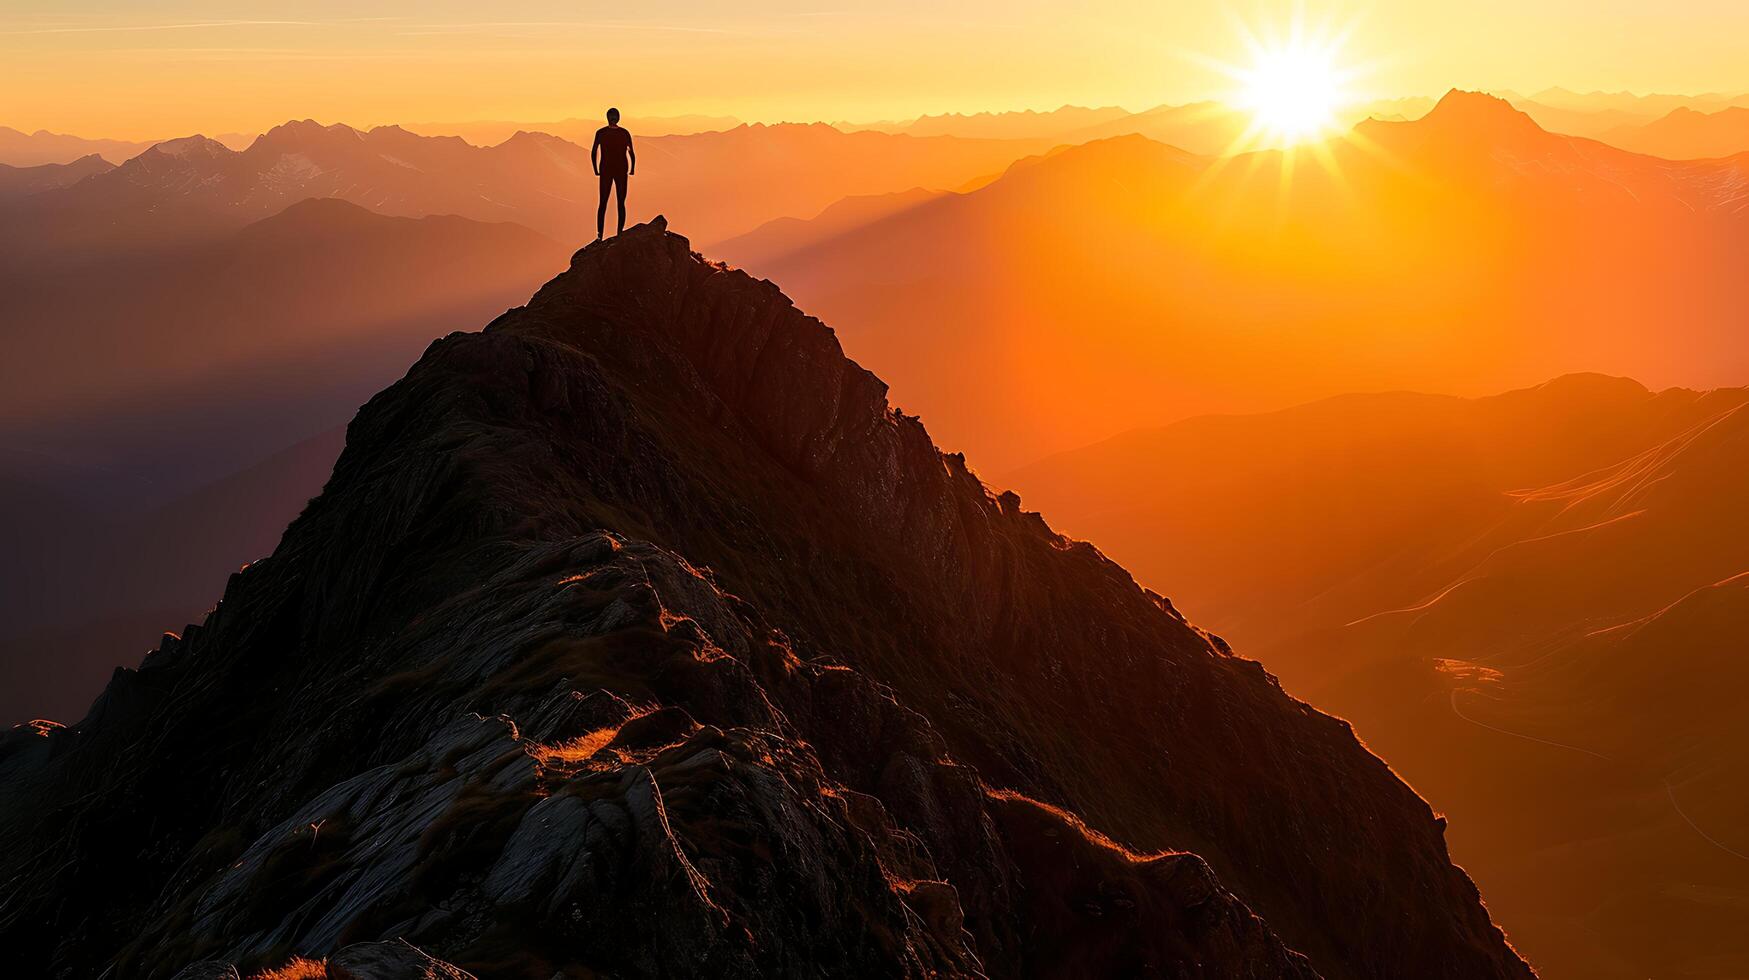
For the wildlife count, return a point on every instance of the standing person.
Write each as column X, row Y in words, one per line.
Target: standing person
column 614, row 161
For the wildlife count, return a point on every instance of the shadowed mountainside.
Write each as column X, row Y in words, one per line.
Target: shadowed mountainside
column 162, row 567
column 1526, row 602
column 136, row 383
column 636, row 634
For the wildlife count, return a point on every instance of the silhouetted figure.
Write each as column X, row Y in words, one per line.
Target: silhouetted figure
column 614, row 161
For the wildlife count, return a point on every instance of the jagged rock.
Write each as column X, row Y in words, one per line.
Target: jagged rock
column 208, row 970
column 637, row 636
column 397, row 960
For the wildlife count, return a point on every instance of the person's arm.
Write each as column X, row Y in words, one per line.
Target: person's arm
column 631, row 153
column 595, row 154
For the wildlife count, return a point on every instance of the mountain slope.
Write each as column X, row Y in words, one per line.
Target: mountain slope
column 1342, row 507
column 824, row 662
column 780, row 238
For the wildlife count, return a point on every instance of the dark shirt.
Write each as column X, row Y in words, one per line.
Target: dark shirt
column 614, row 143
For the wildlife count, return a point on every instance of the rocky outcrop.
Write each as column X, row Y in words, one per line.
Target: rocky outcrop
column 637, row 636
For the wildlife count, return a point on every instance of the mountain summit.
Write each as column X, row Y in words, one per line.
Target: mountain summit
column 637, row 635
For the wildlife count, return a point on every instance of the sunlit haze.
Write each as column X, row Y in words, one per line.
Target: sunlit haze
column 127, row 70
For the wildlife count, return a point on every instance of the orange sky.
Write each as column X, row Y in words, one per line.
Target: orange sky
column 112, row 68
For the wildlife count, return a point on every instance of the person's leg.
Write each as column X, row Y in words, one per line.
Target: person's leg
column 601, row 209
column 619, row 183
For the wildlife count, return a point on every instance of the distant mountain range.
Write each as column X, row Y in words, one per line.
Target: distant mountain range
column 580, row 131
column 1207, row 128
column 729, row 182
column 1599, row 114
column 1127, row 280
column 20, row 149
column 1048, row 124
column 1687, row 134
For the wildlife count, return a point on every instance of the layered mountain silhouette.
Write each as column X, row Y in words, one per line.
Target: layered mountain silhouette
column 1526, row 602
column 320, row 279
column 730, row 181
column 638, row 635
column 1124, row 282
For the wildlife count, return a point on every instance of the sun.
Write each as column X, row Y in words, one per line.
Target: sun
column 1292, row 90
column 1294, row 83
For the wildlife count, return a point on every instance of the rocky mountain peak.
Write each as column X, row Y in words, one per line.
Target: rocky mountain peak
column 189, row 148
column 637, row 634
column 1478, row 112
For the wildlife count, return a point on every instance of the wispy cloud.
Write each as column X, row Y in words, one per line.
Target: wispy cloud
column 187, row 26
column 425, row 30
column 118, row 28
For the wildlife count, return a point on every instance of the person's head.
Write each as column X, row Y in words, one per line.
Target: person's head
column 613, row 117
